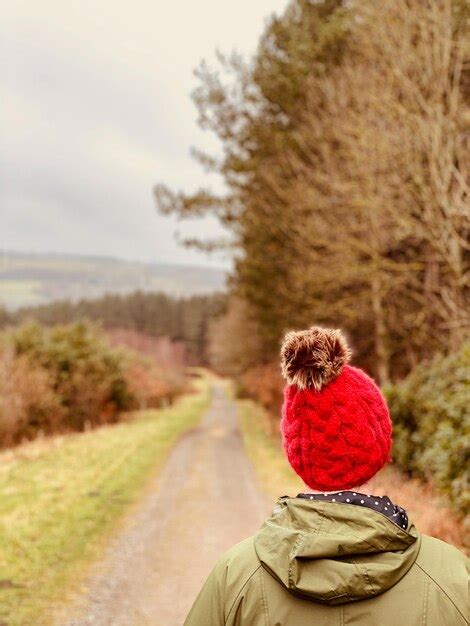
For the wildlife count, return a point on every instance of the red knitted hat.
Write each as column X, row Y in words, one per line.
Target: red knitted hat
column 336, row 427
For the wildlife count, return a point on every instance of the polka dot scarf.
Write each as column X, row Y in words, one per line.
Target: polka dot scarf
column 382, row 504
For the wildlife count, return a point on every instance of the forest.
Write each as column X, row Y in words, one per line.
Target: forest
column 71, row 366
column 182, row 320
column 345, row 158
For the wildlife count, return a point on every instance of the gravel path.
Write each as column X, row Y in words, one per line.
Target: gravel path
column 205, row 500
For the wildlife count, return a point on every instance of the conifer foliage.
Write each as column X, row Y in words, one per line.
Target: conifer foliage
column 345, row 159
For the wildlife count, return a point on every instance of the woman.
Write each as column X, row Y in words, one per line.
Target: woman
column 335, row 554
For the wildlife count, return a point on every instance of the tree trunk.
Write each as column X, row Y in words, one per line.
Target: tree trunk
column 380, row 331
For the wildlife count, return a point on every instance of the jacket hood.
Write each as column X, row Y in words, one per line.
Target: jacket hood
column 334, row 553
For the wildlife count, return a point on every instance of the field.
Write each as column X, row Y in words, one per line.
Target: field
column 18, row 293
column 274, row 472
column 27, row 279
column 60, row 497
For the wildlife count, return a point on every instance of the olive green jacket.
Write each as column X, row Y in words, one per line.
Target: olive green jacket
column 324, row 563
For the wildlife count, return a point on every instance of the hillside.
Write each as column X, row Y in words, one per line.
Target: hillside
column 30, row 279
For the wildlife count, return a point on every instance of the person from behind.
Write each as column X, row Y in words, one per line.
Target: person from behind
column 335, row 554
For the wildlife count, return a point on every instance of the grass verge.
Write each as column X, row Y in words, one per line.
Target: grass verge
column 59, row 497
column 275, row 474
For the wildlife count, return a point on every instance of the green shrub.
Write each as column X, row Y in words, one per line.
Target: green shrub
column 69, row 377
column 431, row 416
column 85, row 376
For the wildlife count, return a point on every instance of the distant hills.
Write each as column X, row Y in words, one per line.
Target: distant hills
column 30, row 279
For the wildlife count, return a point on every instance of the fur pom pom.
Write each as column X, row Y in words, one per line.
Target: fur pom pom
column 310, row 359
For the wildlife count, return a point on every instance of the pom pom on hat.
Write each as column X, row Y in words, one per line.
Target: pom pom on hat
column 310, row 359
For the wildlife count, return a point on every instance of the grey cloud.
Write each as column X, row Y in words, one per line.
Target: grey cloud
column 97, row 110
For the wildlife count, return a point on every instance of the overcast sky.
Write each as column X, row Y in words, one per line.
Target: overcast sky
column 96, row 108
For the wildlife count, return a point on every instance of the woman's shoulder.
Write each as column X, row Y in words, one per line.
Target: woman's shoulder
column 447, row 569
column 240, row 560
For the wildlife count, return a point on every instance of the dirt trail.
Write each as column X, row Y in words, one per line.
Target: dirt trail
column 205, row 500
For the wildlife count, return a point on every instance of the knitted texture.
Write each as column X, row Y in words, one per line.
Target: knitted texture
column 340, row 436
